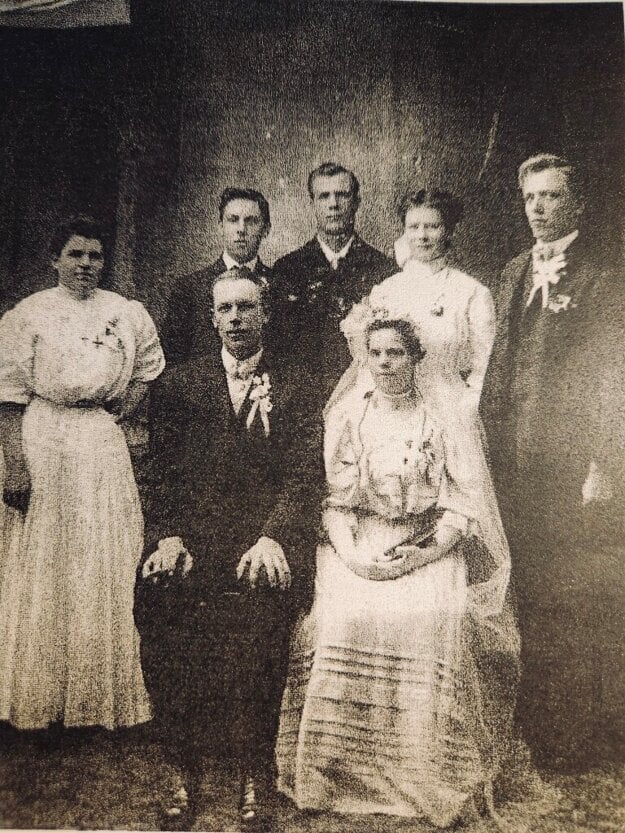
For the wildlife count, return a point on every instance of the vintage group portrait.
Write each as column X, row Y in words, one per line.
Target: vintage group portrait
column 312, row 416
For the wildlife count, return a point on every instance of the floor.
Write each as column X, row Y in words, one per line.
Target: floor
column 103, row 783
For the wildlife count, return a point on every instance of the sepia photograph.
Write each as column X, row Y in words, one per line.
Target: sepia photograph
column 312, row 416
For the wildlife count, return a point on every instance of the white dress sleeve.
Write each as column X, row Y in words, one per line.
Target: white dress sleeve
column 481, row 314
column 17, row 346
column 149, row 358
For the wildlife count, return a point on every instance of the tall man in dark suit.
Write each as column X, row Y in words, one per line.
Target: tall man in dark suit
column 240, row 473
column 245, row 221
column 317, row 284
column 551, row 404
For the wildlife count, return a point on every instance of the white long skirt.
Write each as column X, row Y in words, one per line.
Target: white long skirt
column 382, row 710
column 69, row 649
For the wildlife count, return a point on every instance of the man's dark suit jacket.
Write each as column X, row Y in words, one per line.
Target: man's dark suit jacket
column 564, row 553
column 220, row 486
column 577, row 397
column 311, row 298
column 188, row 330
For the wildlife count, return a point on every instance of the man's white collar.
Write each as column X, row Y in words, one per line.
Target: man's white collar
column 333, row 257
column 231, row 263
column 557, row 247
column 240, row 368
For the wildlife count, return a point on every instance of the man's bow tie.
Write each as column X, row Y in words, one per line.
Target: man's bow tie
column 240, row 372
column 544, row 252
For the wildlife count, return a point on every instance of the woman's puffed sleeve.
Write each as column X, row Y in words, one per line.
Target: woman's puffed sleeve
column 149, row 357
column 341, row 462
column 481, row 315
column 17, row 349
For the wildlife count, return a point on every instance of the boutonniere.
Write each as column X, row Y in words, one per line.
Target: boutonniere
column 342, row 307
column 260, row 397
column 312, row 290
column 561, row 303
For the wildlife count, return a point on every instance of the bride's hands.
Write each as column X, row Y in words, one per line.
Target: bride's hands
column 384, row 566
column 405, row 558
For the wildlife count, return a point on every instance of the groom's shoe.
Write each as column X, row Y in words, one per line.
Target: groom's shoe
column 179, row 810
column 254, row 803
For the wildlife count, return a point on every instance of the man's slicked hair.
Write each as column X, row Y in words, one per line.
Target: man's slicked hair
column 229, row 194
column 242, row 273
column 549, row 161
column 332, row 169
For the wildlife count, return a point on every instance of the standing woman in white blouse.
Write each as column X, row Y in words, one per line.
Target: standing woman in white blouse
column 455, row 313
column 73, row 360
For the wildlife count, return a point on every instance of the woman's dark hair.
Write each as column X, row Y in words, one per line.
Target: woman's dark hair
column 449, row 207
column 404, row 330
column 81, row 226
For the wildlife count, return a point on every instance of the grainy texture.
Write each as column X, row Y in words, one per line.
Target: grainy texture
column 115, row 786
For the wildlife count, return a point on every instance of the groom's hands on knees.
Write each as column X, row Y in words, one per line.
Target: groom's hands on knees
column 170, row 554
column 268, row 556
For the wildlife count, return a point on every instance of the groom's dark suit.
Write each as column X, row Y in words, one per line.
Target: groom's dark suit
column 552, row 403
column 215, row 653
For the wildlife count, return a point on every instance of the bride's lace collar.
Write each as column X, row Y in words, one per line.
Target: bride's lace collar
column 394, row 401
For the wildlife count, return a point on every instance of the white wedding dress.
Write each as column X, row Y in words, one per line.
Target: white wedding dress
column 384, row 709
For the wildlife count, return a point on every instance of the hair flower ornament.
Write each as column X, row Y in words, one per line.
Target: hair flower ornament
column 260, row 397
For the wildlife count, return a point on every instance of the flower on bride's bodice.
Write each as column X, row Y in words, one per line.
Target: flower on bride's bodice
column 402, row 475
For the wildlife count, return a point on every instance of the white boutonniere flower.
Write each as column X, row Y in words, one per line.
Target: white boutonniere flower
column 260, row 397
column 561, row 303
column 313, row 289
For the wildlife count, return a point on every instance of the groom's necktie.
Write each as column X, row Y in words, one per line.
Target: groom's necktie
column 239, row 379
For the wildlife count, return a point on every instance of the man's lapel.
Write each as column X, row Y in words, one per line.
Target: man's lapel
column 261, row 269
column 511, row 297
column 207, row 389
column 580, row 275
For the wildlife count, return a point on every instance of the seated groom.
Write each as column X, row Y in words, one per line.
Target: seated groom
column 239, row 475
column 244, row 222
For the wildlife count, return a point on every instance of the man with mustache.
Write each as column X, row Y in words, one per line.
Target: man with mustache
column 316, row 285
column 236, row 442
column 553, row 406
column 245, row 222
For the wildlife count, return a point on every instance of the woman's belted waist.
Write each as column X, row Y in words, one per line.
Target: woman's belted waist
column 86, row 404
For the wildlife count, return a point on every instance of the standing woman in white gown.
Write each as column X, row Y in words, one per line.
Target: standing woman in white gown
column 73, row 360
column 453, row 313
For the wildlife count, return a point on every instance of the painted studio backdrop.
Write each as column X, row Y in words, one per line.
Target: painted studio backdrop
column 144, row 124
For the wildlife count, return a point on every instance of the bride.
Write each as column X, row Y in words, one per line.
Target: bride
column 400, row 689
